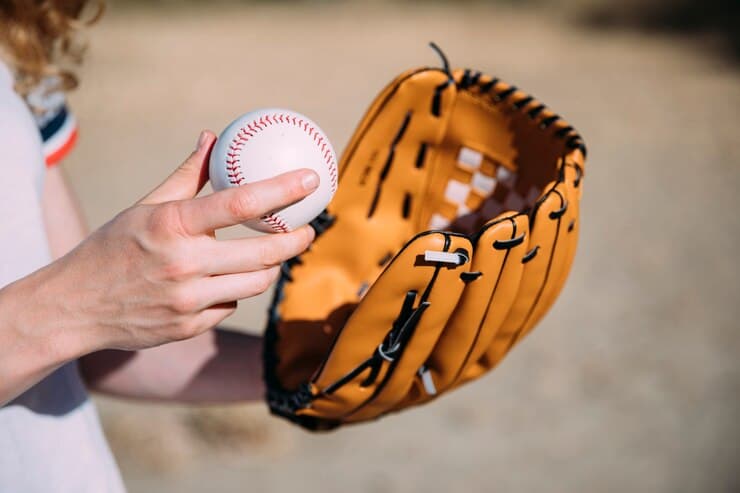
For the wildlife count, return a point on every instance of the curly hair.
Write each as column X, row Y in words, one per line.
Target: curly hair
column 38, row 39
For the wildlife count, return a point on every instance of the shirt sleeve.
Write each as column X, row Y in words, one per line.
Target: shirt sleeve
column 56, row 123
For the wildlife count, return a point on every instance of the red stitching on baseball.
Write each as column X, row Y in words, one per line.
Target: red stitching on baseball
column 251, row 129
column 276, row 223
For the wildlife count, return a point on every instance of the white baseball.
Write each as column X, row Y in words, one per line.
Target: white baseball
column 265, row 143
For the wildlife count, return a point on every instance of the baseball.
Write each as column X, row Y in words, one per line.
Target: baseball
column 265, row 143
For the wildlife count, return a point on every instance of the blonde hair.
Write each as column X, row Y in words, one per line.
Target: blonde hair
column 38, row 39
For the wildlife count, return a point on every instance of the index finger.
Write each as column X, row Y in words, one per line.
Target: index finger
column 236, row 205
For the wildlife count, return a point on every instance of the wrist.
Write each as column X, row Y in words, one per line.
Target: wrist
column 31, row 345
column 43, row 330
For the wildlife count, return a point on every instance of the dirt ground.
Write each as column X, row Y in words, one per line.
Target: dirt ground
column 631, row 383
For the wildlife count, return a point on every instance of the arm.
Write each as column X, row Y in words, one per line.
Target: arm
column 153, row 275
column 30, row 348
column 65, row 227
column 218, row 366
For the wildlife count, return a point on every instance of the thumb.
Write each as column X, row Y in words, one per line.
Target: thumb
column 189, row 178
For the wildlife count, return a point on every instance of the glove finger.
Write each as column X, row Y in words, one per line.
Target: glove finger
column 573, row 176
column 562, row 258
column 482, row 307
column 371, row 363
column 398, row 381
column 544, row 245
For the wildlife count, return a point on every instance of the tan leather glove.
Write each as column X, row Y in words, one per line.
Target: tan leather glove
column 451, row 235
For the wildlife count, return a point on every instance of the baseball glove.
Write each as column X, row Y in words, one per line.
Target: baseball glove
column 451, row 234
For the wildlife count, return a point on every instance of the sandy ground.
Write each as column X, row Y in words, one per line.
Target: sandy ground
column 631, row 383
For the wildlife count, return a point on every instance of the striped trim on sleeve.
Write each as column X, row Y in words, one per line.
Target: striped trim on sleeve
column 56, row 124
column 59, row 136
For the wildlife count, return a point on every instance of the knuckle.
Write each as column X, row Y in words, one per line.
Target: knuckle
column 293, row 188
column 273, row 276
column 297, row 242
column 178, row 262
column 294, row 243
column 164, row 219
column 270, row 252
column 244, row 204
column 307, row 236
column 159, row 218
column 131, row 216
column 265, row 279
column 279, row 248
column 179, row 268
column 186, row 328
column 183, row 302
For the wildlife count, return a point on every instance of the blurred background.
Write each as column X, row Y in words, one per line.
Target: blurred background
column 631, row 383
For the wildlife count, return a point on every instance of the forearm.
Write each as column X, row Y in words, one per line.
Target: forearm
column 34, row 340
column 218, row 366
column 36, row 336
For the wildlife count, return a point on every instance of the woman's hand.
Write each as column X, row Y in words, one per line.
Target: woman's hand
column 156, row 273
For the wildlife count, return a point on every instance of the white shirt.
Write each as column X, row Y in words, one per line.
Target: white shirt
column 50, row 437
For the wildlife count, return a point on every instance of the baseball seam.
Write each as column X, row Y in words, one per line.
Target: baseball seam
column 277, row 223
column 251, row 129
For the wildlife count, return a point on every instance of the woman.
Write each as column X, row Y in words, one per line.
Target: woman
column 152, row 276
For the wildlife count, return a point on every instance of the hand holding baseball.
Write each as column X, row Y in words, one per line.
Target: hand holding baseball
column 156, row 273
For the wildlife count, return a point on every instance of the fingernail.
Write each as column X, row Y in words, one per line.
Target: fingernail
column 201, row 140
column 310, row 181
